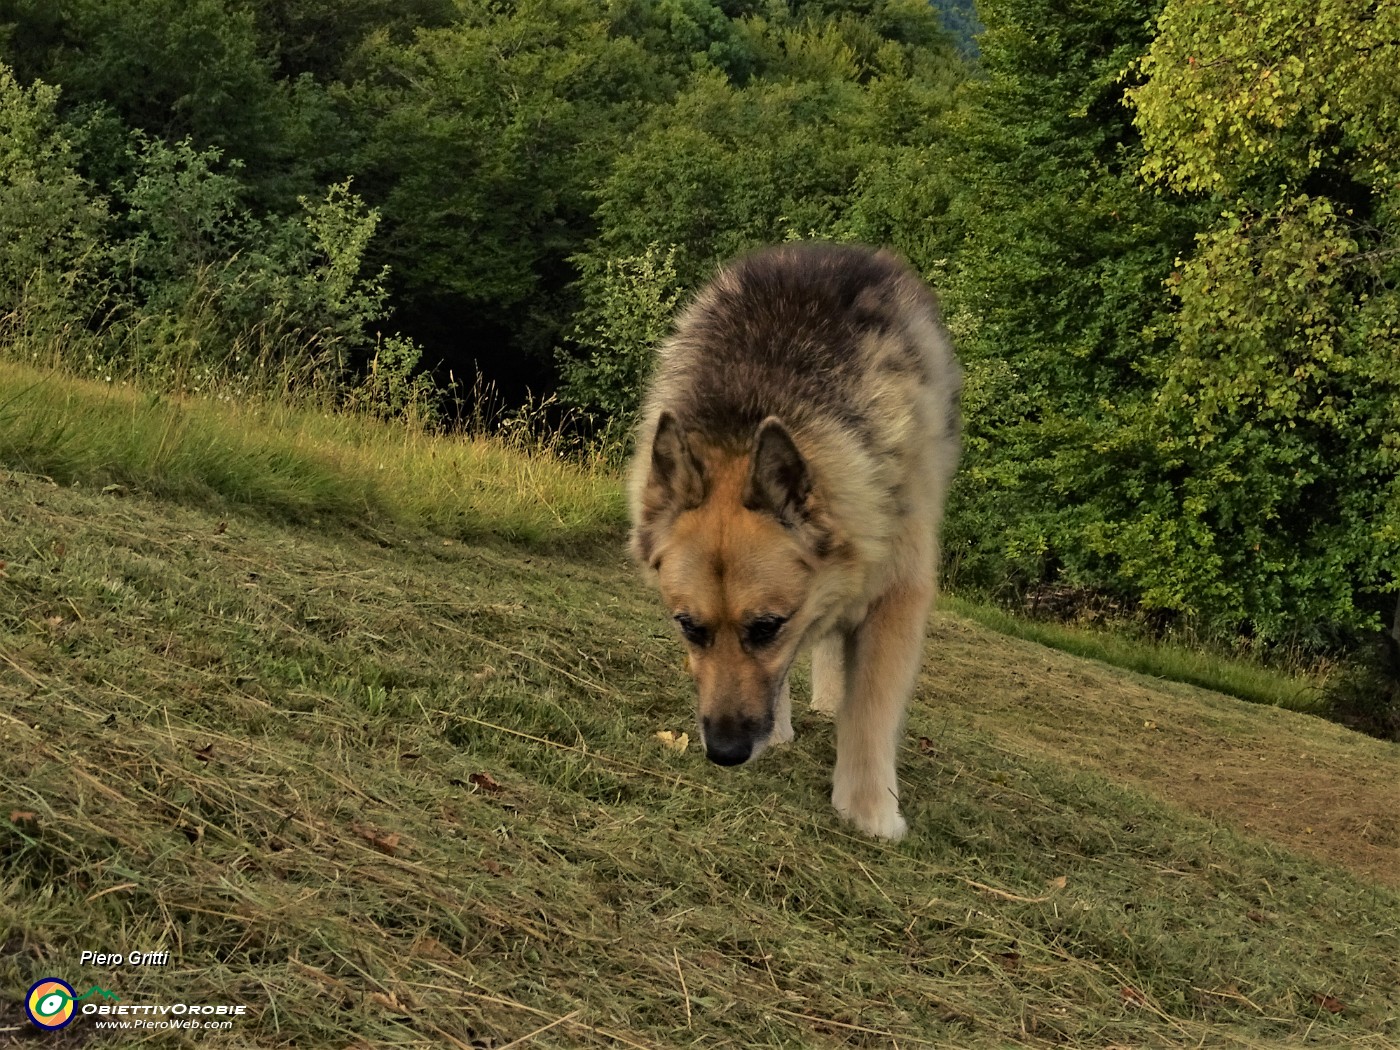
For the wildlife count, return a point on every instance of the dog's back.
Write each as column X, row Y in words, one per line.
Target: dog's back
column 845, row 346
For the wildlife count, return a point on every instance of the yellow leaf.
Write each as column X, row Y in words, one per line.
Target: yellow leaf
column 677, row 742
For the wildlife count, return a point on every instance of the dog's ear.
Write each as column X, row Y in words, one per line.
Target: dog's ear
column 779, row 481
column 677, row 478
column 675, row 482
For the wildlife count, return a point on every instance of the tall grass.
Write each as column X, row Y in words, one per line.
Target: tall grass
column 1205, row 666
column 301, row 462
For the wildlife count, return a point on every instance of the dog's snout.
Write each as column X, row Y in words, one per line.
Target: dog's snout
column 731, row 741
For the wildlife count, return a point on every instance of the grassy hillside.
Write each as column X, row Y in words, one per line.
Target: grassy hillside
column 391, row 786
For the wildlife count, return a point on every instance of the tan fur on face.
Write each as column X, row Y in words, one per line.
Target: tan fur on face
column 723, row 565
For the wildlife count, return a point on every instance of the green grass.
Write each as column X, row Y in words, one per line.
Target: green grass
column 1205, row 667
column 298, row 463
column 391, row 791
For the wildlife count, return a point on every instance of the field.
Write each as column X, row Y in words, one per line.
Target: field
column 391, row 780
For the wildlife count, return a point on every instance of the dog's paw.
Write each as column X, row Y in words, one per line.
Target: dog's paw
column 877, row 815
column 782, row 733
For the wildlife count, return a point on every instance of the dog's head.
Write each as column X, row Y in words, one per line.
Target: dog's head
column 742, row 550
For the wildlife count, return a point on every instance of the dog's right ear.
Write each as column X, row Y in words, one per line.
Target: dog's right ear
column 675, row 483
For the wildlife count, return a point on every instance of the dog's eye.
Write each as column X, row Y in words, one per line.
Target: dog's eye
column 694, row 633
column 764, row 629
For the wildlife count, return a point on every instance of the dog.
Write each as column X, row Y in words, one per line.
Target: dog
column 794, row 449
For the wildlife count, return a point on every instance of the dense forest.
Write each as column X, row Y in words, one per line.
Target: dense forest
column 1164, row 234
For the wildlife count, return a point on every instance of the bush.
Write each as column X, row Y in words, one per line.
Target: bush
column 51, row 222
column 627, row 309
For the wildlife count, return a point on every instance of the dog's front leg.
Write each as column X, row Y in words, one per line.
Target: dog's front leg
column 882, row 658
column 782, row 715
column 829, row 673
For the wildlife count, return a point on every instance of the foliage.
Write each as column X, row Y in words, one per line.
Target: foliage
column 481, row 140
column 1053, row 278
column 202, row 281
column 628, row 306
column 51, row 223
column 816, row 144
column 1278, row 403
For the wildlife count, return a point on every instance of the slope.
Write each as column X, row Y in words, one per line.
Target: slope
column 385, row 789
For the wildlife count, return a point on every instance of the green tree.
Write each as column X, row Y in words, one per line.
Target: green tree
column 51, row 223
column 482, row 142
column 1279, row 407
column 1051, row 285
column 815, row 144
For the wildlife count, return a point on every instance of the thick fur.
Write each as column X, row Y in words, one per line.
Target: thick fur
column 793, row 455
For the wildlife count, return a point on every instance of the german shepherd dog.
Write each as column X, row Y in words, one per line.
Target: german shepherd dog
column 795, row 446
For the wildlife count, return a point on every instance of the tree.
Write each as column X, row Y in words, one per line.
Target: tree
column 482, row 142
column 1051, row 286
column 816, row 143
column 51, row 222
column 1279, row 406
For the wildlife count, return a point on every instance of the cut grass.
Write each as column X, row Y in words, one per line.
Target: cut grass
column 298, row 463
column 392, row 793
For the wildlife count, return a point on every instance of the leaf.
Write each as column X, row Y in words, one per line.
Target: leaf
column 24, row 816
column 1008, row 961
column 385, row 844
column 485, row 782
column 1132, row 997
column 677, row 742
column 1330, row 1003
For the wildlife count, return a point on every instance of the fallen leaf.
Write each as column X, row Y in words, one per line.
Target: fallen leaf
column 54, row 621
column 1008, row 961
column 1149, row 725
column 204, row 753
column 23, row 816
column 1132, row 997
column 926, row 746
column 677, row 742
column 385, row 844
column 1059, row 883
column 220, row 528
column 1330, row 1003
column 485, row 782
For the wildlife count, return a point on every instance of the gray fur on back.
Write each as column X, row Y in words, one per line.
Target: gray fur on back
column 785, row 331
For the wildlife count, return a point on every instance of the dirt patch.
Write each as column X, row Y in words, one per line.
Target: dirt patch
column 1306, row 783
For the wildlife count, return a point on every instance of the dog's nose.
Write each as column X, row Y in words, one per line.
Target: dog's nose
column 729, row 741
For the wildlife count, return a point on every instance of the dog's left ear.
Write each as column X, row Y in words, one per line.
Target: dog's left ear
column 779, row 481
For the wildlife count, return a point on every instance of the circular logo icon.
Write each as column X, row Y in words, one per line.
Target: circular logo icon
column 49, row 1003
